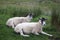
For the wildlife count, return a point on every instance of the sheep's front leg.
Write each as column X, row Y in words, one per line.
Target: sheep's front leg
column 21, row 32
column 46, row 33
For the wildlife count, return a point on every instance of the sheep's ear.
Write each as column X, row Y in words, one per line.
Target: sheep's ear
column 45, row 18
column 42, row 18
column 31, row 14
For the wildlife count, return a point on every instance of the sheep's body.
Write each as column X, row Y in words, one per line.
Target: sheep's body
column 16, row 20
column 31, row 27
column 28, row 27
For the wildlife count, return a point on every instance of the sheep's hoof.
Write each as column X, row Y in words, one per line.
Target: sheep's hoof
column 51, row 35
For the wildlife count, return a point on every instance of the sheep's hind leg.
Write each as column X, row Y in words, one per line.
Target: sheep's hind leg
column 12, row 25
column 36, row 33
column 21, row 32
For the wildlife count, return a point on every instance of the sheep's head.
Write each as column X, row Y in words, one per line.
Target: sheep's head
column 30, row 15
column 42, row 21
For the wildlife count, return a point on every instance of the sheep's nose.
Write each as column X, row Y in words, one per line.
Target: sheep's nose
column 44, row 23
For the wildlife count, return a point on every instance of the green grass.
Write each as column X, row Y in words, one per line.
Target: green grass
column 11, row 8
column 8, row 33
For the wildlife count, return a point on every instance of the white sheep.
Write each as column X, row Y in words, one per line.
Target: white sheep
column 12, row 22
column 31, row 27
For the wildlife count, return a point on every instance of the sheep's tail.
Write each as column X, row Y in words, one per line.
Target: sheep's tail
column 8, row 22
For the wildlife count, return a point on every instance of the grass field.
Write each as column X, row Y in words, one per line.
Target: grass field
column 7, row 33
column 11, row 8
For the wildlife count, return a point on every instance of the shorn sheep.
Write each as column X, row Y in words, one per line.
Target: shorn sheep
column 31, row 27
column 12, row 22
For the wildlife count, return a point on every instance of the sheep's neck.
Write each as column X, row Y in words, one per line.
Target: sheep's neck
column 38, row 27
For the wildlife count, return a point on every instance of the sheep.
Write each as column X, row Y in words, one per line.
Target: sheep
column 31, row 27
column 12, row 22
